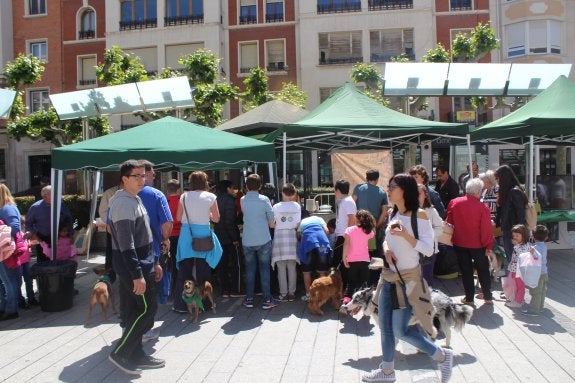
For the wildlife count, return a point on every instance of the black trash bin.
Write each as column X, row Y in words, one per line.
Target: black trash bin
column 55, row 284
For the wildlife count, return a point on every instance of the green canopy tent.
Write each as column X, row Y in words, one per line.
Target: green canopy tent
column 547, row 119
column 349, row 118
column 169, row 143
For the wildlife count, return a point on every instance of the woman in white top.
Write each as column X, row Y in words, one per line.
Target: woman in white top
column 428, row 263
column 401, row 250
column 196, row 209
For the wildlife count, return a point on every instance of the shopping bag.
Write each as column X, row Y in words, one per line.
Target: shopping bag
column 529, row 268
column 508, row 285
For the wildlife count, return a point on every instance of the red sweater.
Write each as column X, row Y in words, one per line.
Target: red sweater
column 173, row 202
column 471, row 222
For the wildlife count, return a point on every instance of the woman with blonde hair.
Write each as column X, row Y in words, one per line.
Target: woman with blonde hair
column 197, row 208
column 10, row 270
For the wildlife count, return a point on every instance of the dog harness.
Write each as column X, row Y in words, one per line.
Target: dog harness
column 105, row 279
column 194, row 298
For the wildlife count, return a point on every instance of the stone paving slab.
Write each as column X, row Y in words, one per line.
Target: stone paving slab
column 287, row 344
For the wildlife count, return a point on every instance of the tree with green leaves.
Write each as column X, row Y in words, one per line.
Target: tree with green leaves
column 120, row 67
column 291, row 94
column 43, row 125
column 256, row 92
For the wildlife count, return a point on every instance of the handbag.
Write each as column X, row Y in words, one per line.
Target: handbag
column 199, row 244
column 446, row 235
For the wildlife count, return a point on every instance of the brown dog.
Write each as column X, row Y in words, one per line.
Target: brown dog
column 194, row 295
column 323, row 289
column 102, row 294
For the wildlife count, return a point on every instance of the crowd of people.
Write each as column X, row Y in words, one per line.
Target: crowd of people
column 157, row 241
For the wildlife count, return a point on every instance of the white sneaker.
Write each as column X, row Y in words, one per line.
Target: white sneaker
column 151, row 335
column 446, row 367
column 378, row 376
column 305, row 298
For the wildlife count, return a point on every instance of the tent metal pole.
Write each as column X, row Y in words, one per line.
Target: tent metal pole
column 56, row 206
column 89, row 233
column 469, row 156
column 531, row 169
column 284, row 158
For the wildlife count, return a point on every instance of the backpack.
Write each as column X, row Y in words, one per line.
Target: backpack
column 530, row 216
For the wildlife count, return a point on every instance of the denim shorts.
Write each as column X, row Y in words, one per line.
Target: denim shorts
column 315, row 262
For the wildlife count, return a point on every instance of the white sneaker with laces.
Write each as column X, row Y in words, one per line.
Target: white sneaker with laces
column 305, row 298
column 446, row 367
column 378, row 376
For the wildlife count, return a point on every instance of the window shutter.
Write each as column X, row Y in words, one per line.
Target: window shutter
column 275, row 50
column 555, row 36
column 249, row 55
column 174, row 52
column 538, row 36
column 148, row 57
column 89, row 68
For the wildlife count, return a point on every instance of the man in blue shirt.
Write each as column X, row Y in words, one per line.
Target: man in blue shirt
column 161, row 223
column 38, row 221
column 257, row 241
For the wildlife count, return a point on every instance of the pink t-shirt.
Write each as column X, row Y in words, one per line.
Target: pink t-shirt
column 357, row 250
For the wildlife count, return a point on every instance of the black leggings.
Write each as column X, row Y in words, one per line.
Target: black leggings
column 357, row 276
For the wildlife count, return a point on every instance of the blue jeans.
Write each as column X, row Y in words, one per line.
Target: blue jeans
column 258, row 256
column 393, row 323
column 28, row 282
column 9, row 288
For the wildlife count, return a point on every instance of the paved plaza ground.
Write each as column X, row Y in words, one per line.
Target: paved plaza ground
column 287, row 344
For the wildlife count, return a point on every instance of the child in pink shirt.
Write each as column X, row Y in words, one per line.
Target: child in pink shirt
column 66, row 249
column 356, row 252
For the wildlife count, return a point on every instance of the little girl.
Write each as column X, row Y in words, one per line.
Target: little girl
column 520, row 239
column 65, row 249
column 356, row 252
column 284, row 249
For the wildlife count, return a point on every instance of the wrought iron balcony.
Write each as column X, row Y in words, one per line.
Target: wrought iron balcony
column 138, row 24
column 277, row 67
column 380, row 58
column 183, row 20
column 87, row 82
column 251, row 19
column 246, row 70
column 89, row 34
column 461, row 5
column 384, row 5
column 341, row 60
column 274, row 17
column 348, row 6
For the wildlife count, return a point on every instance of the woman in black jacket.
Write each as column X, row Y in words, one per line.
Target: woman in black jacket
column 228, row 234
column 511, row 203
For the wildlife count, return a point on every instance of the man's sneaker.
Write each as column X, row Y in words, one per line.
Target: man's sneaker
column 179, row 311
column 249, row 303
column 149, row 361
column 305, row 298
column 269, row 304
column 151, row 335
column 376, row 376
column 290, row 297
column 237, row 295
column 124, row 364
column 283, row 298
column 446, row 367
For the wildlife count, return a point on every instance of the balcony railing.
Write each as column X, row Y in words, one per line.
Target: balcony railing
column 461, row 5
column 183, row 20
column 339, row 8
column 277, row 67
column 380, row 58
column 87, row 82
column 138, row 24
column 341, row 60
column 83, row 35
column 246, row 70
column 248, row 19
column 384, row 5
column 274, row 17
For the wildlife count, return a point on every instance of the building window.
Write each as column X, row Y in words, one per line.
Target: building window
column 181, row 12
column 338, row 6
column 39, row 100
column 340, row 48
column 138, row 14
column 274, row 11
column 388, row 43
column 460, row 5
column 275, row 55
column 36, row 7
column 39, row 49
column 174, row 52
column 248, row 56
column 87, row 24
column 248, row 12
column 87, row 71
column 385, row 5
column 39, row 167
column 533, row 37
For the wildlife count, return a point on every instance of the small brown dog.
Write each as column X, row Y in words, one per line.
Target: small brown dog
column 102, row 294
column 194, row 295
column 323, row 289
